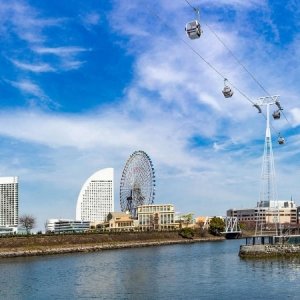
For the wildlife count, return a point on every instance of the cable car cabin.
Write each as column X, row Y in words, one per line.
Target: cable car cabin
column 281, row 140
column 227, row 92
column 193, row 30
column 276, row 114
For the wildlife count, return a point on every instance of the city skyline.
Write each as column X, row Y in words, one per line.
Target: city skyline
column 83, row 85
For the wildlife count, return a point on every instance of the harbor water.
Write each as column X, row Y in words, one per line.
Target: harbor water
column 209, row 270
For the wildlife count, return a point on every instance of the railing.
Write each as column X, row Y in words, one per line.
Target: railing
column 273, row 239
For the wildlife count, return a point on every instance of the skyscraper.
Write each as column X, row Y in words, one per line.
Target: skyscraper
column 96, row 198
column 9, row 201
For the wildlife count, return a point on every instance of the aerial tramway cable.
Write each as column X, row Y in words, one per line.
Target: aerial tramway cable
column 244, row 67
column 214, row 68
column 206, row 61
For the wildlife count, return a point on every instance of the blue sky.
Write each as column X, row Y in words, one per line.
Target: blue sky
column 86, row 83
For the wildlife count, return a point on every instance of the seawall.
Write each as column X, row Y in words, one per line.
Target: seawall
column 262, row 251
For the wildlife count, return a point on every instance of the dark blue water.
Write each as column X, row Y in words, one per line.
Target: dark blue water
column 209, row 270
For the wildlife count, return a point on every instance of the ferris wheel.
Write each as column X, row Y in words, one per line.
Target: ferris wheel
column 137, row 183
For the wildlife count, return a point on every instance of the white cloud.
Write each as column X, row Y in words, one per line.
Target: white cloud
column 23, row 20
column 20, row 20
column 28, row 87
column 59, row 51
column 234, row 3
column 35, row 68
column 295, row 113
column 32, row 89
column 72, row 64
column 67, row 55
column 91, row 19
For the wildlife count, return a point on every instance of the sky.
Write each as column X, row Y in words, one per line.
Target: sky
column 84, row 84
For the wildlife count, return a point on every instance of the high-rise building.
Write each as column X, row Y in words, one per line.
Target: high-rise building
column 9, row 201
column 96, row 198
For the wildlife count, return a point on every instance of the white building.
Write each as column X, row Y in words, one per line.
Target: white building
column 156, row 216
column 9, row 201
column 268, row 213
column 96, row 198
column 66, row 226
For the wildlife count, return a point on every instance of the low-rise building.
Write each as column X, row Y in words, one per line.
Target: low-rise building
column 66, row 226
column 119, row 221
column 8, row 230
column 156, row 217
column 283, row 212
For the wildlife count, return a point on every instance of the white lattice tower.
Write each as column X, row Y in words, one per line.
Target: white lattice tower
column 268, row 202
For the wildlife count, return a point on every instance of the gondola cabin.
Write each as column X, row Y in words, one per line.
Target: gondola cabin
column 193, row 30
column 276, row 114
column 281, row 140
column 227, row 91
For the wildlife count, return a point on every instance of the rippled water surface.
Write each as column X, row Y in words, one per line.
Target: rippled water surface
column 209, row 270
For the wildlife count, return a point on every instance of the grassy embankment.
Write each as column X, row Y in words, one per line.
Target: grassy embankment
column 64, row 243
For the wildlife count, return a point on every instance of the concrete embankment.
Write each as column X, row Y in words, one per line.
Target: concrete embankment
column 262, row 251
column 59, row 244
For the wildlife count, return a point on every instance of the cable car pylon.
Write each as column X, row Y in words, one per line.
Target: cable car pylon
column 267, row 101
column 268, row 190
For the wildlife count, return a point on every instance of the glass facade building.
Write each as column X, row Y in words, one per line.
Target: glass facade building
column 66, row 226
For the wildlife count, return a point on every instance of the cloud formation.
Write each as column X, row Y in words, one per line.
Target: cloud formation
column 206, row 149
column 35, row 68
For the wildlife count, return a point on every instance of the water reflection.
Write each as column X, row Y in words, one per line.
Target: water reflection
column 196, row 271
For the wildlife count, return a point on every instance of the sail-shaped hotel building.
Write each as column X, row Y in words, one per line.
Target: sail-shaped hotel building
column 96, row 197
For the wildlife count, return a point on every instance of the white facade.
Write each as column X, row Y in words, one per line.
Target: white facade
column 96, row 198
column 66, row 226
column 279, row 204
column 156, row 216
column 9, row 201
column 50, row 224
column 286, row 211
column 8, row 230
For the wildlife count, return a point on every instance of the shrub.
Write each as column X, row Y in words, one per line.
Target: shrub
column 187, row 233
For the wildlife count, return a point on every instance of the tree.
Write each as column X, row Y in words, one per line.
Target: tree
column 28, row 222
column 187, row 219
column 216, row 226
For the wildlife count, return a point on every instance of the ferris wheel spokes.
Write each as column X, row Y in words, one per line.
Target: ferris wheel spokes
column 137, row 183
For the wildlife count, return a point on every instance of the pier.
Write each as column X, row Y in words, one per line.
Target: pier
column 270, row 246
